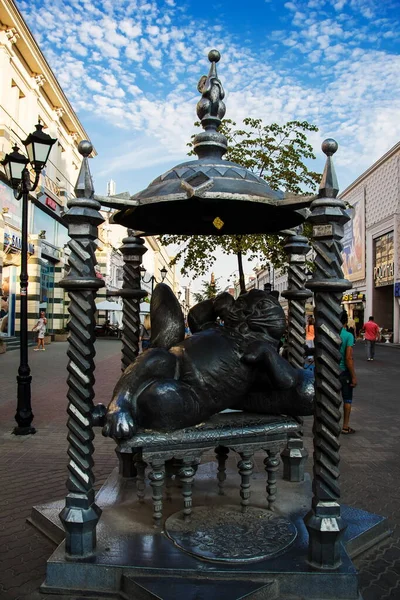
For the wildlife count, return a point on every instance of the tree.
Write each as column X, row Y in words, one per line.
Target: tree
column 278, row 154
column 210, row 289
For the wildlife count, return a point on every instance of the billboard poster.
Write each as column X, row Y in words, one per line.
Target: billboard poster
column 11, row 205
column 354, row 242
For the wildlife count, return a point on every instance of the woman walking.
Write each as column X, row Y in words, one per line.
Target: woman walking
column 40, row 327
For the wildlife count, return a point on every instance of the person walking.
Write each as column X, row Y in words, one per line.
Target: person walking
column 40, row 327
column 145, row 333
column 310, row 332
column 371, row 336
column 347, row 377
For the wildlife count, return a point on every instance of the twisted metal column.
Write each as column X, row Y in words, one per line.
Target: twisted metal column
column 80, row 515
column 324, row 523
column 132, row 250
column 294, row 456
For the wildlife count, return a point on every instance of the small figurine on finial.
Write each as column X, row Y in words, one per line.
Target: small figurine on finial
column 85, row 148
column 210, row 87
column 329, row 146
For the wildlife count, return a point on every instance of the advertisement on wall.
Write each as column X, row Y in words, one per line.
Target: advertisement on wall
column 10, row 206
column 354, row 242
column 384, row 260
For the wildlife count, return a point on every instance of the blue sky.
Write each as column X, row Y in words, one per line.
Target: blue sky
column 130, row 69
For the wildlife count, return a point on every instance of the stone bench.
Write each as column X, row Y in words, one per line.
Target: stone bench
column 244, row 433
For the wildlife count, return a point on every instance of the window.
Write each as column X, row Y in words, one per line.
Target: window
column 43, row 222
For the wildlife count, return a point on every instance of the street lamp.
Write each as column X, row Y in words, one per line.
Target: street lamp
column 38, row 146
column 163, row 273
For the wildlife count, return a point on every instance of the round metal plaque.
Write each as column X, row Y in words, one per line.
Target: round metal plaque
column 225, row 534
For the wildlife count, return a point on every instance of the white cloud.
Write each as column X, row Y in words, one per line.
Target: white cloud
column 142, row 60
column 94, row 85
column 131, row 29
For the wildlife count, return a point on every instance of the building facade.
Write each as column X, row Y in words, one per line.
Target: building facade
column 29, row 92
column 110, row 261
column 371, row 249
column 371, row 257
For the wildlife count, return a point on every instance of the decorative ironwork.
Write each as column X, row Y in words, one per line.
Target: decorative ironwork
column 80, row 515
column 296, row 247
column 211, row 110
column 132, row 250
column 328, row 215
column 227, row 534
column 245, row 466
column 271, row 463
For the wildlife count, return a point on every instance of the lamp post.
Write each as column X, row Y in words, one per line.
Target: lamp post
column 153, row 280
column 38, row 145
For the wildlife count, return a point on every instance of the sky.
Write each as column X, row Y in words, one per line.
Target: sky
column 130, row 70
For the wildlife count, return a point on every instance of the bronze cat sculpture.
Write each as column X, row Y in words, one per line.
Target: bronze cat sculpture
column 180, row 382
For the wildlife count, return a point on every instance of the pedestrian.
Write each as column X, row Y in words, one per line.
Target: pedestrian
column 310, row 332
column 40, row 327
column 347, row 377
column 145, row 333
column 371, row 336
column 351, row 326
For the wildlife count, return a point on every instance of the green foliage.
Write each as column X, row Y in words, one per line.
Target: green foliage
column 208, row 290
column 278, row 154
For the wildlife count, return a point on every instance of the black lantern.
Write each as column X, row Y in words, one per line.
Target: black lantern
column 38, row 145
column 163, row 273
column 142, row 271
column 14, row 163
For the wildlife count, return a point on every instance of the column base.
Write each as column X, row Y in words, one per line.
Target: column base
column 79, row 518
column 294, row 458
column 23, row 430
column 325, row 528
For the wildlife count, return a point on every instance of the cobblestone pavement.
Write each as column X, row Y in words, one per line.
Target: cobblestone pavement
column 33, row 468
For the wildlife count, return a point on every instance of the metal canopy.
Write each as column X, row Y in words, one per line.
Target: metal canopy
column 211, row 196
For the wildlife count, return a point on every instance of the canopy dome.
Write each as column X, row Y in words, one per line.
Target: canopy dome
column 211, row 195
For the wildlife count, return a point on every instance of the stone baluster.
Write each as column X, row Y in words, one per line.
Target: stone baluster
column 80, row 515
column 324, row 523
column 294, row 456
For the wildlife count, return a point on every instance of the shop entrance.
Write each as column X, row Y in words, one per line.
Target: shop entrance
column 47, row 292
column 8, row 298
column 359, row 318
column 383, row 306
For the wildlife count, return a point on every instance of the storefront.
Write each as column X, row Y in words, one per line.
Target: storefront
column 10, row 278
column 383, row 276
column 10, row 258
column 46, row 241
column 52, row 237
column 354, row 304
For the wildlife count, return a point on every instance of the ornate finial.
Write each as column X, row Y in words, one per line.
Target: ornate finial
column 84, row 185
column 85, row 148
column 329, row 146
column 329, row 186
column 211, row 111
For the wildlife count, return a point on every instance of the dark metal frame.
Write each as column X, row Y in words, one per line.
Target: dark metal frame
column 81, row 514
column 294, row 456
column 328, row 215
column 324, row 522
